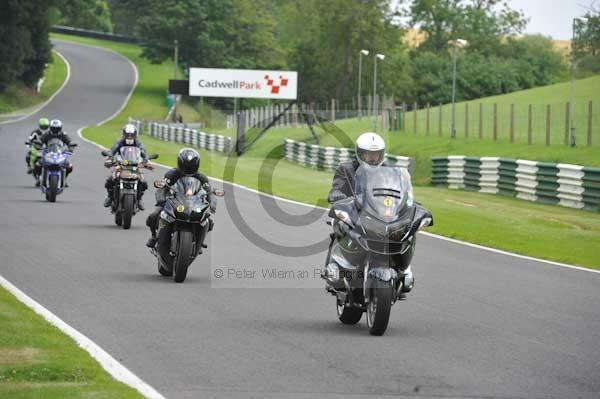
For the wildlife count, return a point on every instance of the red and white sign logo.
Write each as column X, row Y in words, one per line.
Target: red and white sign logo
column 244, row 83
column 282, row 82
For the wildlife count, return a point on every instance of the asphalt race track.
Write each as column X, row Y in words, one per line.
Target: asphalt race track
column 478, row 324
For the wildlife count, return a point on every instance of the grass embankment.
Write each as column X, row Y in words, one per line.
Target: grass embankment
column 19, row 96
column 544, row 231
column 39, row 361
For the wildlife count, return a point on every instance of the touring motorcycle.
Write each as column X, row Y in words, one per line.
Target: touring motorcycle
column 128, row 164
column 368, row 262
column 184, row 223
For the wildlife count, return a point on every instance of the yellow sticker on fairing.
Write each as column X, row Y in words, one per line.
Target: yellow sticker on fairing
column 387, row 201
column 180, row 208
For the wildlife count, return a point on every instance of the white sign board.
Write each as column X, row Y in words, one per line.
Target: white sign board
column 244, row 83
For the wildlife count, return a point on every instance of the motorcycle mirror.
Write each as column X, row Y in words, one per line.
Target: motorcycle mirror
column 105, row 153
column 159, row 183
column 153, row 156
column 219, row 193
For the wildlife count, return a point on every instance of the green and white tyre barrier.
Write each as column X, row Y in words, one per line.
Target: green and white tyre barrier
column 192, row 137
column 328, row 158
column 571, row 186
column 490, row 175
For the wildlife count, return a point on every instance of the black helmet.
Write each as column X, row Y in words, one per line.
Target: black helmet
column 55, row 127
column 188, row 161
column 130, row 133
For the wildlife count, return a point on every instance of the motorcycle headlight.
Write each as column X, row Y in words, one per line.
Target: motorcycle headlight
column 48, row 158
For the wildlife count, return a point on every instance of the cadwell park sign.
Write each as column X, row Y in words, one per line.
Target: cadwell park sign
column 243, row 83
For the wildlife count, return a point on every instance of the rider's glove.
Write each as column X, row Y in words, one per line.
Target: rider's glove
column 336, row 196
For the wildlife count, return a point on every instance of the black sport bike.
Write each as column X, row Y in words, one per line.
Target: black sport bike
column 185, row 220
column 367, row 266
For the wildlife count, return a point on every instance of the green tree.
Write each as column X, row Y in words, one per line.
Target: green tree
column 586, row 43
column 482, row 22
column 38, row 24
column 322, row 40
column 84, row 14
column 25, row 46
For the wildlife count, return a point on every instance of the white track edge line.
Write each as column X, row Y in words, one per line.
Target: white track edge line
column 118, row 371
column 39, row 108
column 108, row 363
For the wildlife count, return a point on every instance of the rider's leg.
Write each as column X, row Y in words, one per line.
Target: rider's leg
column 108, row 184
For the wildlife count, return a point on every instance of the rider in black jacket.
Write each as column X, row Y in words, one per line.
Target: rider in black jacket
column 130, row 138
column 55, row 132
column 188, row 163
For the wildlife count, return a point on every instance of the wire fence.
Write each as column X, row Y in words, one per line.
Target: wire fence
column 547, row 124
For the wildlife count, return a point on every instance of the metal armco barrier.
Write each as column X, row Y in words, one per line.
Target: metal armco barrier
column 192, row 137
column 94, row 34
column 571, row 186
column 328, row 158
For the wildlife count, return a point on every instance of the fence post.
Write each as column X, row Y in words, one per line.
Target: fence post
column 403, row 118
column 440, row 120
column 495, row 121
column 427, row 120
column 590, row 111
column 333, row 110
column 548, row 110
column 512, row 123
column 529, row 123
column 567, row 117
column 466, row 119
column 480, row 120
column 415, row 108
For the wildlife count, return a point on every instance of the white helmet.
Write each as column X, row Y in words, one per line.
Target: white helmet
column 370, row 149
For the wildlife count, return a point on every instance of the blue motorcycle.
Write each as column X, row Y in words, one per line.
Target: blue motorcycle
column 54, row 161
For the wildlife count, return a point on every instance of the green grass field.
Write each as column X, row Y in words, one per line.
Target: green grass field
column 18, row 96
column 499, row 222
column 39, row 361
column 556, row 96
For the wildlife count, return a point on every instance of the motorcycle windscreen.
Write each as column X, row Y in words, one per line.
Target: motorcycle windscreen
column 188, row 186
column 55, row 145
column 384, row 191
column 130, row 154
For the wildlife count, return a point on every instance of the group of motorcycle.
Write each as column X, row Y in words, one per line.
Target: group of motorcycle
column 186, row 210
column 367, row 266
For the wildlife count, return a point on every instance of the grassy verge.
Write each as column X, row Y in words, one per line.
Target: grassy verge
column 18, row 96
column 543, row 231
column 39, row 361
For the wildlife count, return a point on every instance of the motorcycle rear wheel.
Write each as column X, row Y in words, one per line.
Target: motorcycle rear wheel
column 348, row 315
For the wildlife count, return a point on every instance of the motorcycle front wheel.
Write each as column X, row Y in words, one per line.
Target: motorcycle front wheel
column 127, row 205
column 184, row 255
column 379, row 307
column 52, row 188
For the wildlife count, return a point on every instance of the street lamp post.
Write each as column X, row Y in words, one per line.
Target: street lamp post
column 572, row 128
column 360, row 54
column 458, row 43
column 381, row 57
